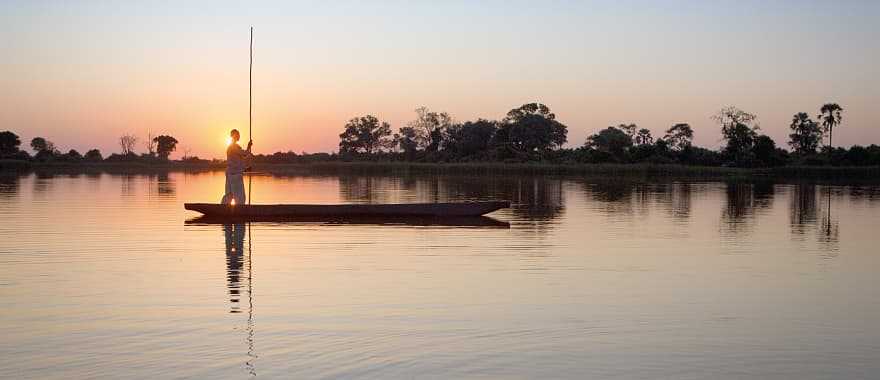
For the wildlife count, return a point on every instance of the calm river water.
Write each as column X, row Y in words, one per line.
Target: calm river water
column 100, row 277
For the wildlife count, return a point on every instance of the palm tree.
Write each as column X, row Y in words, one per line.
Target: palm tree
column 806, row 134
column 830, row 115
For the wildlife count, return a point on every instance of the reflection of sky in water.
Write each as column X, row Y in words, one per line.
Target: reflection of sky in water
column 594, row 278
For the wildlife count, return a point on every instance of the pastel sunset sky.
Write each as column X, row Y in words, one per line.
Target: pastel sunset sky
column 83, row 73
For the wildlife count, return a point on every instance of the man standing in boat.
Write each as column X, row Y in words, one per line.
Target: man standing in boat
column 236, row 164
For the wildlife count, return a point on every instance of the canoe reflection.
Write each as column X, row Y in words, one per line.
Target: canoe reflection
column 472, row 222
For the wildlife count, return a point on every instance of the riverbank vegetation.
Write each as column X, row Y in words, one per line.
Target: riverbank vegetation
column 529, row 138
column 532, row 133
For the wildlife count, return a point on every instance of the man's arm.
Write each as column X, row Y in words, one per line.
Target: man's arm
column 238, row 152
column 248, row 156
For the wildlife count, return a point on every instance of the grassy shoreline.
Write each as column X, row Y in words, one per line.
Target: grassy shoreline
column 857, row 174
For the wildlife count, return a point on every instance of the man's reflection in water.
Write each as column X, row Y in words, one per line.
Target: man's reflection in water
column 234, row 262
column 235, row 270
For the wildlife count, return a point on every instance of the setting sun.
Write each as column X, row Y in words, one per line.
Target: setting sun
column 228, row 140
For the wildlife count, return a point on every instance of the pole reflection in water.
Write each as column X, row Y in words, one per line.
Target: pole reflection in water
column 235, row 265
column 808, row 220
column 830, row 230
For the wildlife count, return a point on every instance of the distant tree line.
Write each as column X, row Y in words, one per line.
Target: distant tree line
column 532, row 133
column 159, row 149
column 529, row 133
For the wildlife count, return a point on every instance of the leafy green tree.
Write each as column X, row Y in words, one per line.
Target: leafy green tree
column 9, row 143
column 470, row 139
column 407, row 139
column 831, row 115
column 611, row 140
column 739, row 129
column 93, row 155
column 365, row 135
column 45, row 155
column 857, row 155
column 679, row 136
column 630, row 129
column 661, row 146
column 531, row 128
column 165, row 145
column 39, row 144
column 764, row 150
column 526, row 110
column 806, row 134
column 644, row 137
column 73, row 155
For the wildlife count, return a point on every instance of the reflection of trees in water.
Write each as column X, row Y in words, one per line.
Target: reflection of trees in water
column 803, row 208
column 536, row 197
column 93, row 179
column 626, row 199
column 531, row 197
column 165, row 186
column 678, row 199
column 867, row 195
column 764, row 193
column 366, row 189
column 611, row 191
column 161, row 185
column 409, row 184
column 623, row 198
column 810, row 213
column 377, row 189
column 10, row 184
column 128, row 185
column 43, row 182
column 614, row 197
column 743, row 201
column 643, row 194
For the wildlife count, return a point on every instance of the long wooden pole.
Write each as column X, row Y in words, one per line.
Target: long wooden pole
column 251, row 89
column 250, row 323
column 251, row 108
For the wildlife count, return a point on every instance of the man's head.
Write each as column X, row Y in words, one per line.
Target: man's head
column 235, row 135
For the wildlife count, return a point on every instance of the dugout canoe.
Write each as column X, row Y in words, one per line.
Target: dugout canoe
column 423, row 221
column 457, row 209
